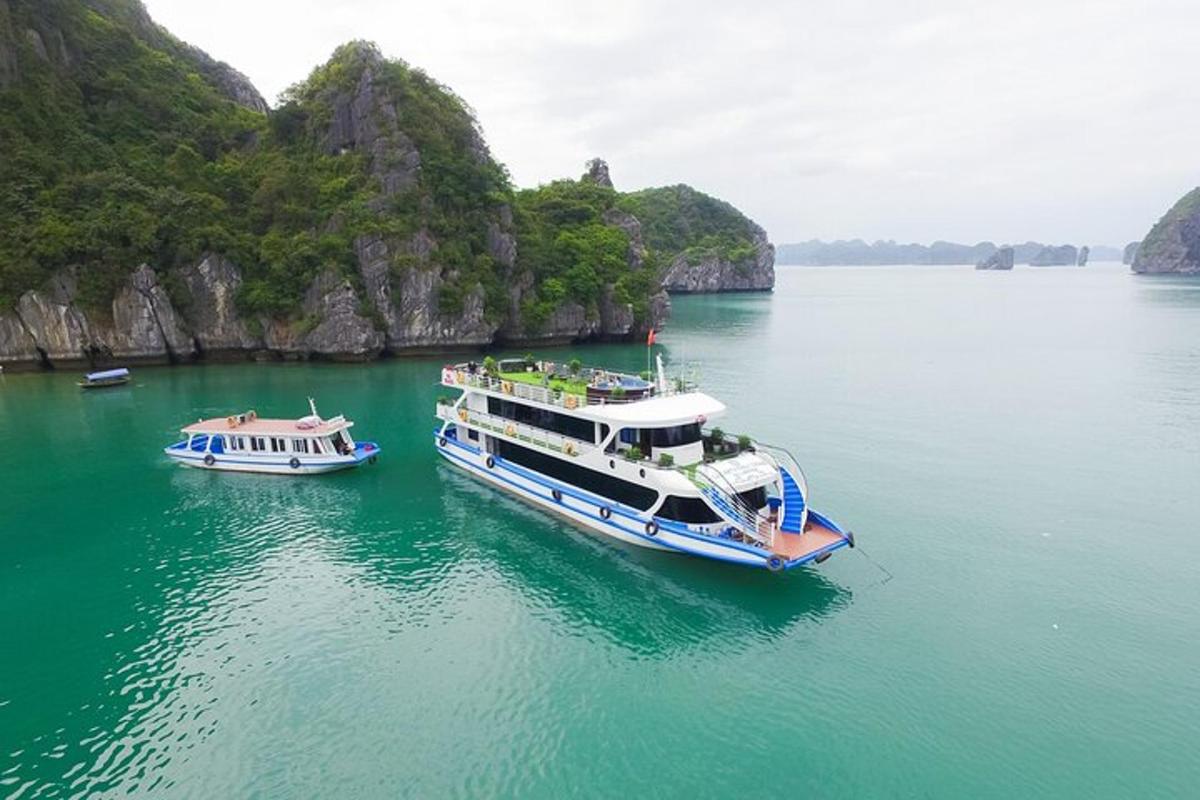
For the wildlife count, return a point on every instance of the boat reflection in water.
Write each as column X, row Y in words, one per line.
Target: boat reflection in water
column 645, row 601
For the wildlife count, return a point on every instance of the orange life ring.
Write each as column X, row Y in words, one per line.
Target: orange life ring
column 571, row 401
column 231, row 421
column 460, row 377
column 462, row 414
column 568, row 448
column 506, row 387
column 509, row 430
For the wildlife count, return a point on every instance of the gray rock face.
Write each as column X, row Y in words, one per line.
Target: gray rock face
column 1050, row 256
column 597, row 173
column 145, row 326
column 212, row 312
column 1083, row 256
column 366, row 121
column 1001, row 259
column 231, row 83
column 633, row 229
column 340, row 333
column 1130, row 252
column 1173, row 244
column 16, row 344
column 716, row 274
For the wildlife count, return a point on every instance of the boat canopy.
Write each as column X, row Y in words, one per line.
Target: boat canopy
column 107, row 374
column 257, row 426
column 657, row 411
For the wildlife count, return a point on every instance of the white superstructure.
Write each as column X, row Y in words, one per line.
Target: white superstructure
column 634, row 458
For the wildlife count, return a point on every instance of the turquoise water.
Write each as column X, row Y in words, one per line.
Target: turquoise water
column 1018, row 451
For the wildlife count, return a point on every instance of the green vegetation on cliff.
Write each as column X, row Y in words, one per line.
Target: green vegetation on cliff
column 572, row 253
column 679, row 219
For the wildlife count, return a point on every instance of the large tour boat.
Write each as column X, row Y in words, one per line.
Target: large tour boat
column 249, row 443
column 632, row 457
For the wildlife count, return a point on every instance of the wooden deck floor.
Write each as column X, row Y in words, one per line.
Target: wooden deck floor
column 798, row 545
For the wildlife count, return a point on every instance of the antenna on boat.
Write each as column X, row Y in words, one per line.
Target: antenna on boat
column 312, row 406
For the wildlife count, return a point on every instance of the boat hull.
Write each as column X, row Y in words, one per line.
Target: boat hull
column 365, row 452
column 608, row 518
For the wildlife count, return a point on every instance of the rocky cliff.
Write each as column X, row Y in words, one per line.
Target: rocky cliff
column 705, row 244
column 1173, row 244
column 365, row 216
column 1001, row 259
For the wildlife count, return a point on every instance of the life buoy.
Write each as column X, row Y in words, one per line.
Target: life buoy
column 506, row 387
column 462, row 414
column 605, row 512
column 571, row 401
column 231, row 421
column 651, row 528
column 557, row 495
column 850, row 538
column 441, row 442
column 821, row 559
column 209, row 460
column 491, row 462
column 509, row 430
column 294, row 463
column 460, row 377
column 775, row 563
column 569, row 448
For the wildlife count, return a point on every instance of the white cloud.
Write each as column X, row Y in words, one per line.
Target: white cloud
column 1066, row 121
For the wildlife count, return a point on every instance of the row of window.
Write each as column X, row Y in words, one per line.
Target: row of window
column 610, row 486
column 273, row 444
column 565, row 424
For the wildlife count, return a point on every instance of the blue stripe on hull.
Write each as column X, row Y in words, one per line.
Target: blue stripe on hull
column 736, row 552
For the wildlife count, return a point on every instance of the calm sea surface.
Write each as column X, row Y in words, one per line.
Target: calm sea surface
column 1019, row 451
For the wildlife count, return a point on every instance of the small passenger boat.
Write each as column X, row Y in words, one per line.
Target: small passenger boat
column 249, row 443
column 634, row 458
column 108, row 377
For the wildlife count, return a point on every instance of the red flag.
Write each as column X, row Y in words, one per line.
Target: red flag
column 650, row 338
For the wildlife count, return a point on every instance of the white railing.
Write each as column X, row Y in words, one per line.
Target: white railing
column 459, row 376
column 725, row 500
column 518, row 431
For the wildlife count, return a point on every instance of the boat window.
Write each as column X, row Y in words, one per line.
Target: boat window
column 316, row 446
column 675, row 436
column 755, row 498
column 473, row 434
column 254, row 443
column 692, row 510
column 628, row 435
column 574, row 427
column 300, row 445
column 600, row 483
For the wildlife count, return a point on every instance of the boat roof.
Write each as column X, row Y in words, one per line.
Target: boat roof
column 674, row 409
column 106, row 374
column 267, row 427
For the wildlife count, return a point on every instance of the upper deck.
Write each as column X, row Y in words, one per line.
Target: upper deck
column 252, row 425
column 593, row 393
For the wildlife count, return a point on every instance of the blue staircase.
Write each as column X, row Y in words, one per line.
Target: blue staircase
column 793, row 504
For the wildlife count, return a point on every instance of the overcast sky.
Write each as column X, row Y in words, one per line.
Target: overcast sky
column 1023, row 119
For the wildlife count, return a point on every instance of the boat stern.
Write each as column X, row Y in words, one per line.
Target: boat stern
column 365, row 451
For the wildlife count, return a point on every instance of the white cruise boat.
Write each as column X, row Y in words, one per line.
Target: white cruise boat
column 631, row 457
column 249, row 443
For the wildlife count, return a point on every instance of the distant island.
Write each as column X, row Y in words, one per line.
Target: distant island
column 843, row 252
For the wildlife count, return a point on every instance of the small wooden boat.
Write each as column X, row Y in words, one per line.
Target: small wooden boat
column 105, row 378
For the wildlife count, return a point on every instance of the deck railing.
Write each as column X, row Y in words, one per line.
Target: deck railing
column 460, row 376
column 527, row 434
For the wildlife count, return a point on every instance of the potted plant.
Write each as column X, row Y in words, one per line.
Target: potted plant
column 530, row 363
column 489, row 366
column 743, row 442
column 575, row 365
column 666, row 460
column 634, row 453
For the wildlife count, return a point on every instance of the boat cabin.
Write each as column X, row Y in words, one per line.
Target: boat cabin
column 248, row 434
